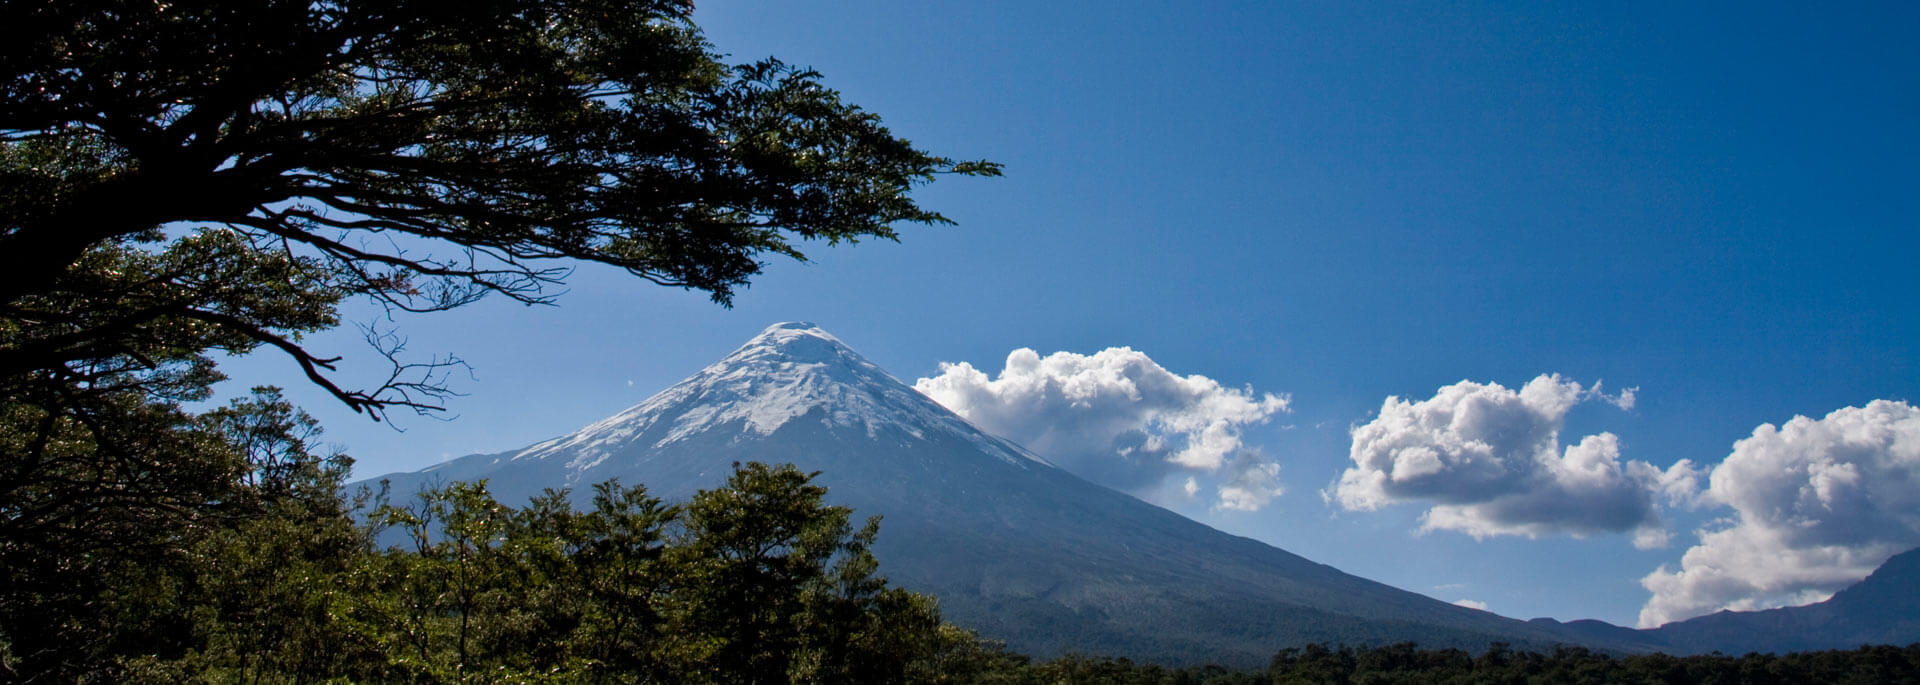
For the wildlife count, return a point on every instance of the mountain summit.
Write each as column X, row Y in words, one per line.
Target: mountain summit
column 1012, row 546
column 789, row 372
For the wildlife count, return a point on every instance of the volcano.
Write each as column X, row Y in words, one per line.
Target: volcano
column 1012, row 546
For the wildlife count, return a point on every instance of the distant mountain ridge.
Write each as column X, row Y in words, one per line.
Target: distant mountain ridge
column 1012, row 546
column 1882, row 609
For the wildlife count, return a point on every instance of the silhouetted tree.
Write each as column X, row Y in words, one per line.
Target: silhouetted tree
column 202, row 174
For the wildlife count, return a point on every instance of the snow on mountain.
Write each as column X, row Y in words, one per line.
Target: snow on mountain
column 785, row 373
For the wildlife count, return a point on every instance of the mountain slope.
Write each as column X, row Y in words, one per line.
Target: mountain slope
column 1012, row 546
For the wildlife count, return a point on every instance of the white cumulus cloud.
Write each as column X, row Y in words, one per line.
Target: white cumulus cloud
column 1119, row 419
column 1471, row 604
column 1817, row 504
column 1489, row 461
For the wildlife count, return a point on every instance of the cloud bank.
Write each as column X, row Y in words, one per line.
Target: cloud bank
column 1489, row 462
column 1818, row 505
column 1119, row 419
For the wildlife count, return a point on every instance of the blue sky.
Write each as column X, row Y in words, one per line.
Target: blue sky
column 1714, row 204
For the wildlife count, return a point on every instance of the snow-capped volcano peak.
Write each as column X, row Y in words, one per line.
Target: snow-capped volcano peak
column 789, row 372
column 789, row 345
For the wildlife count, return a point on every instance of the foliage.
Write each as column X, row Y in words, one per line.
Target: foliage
column 781, row 589
column 109, row 499
column 758, row 581
column 204, row 175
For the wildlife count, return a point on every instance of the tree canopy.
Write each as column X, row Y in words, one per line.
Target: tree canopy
column 183, row 178
column 210, row 175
